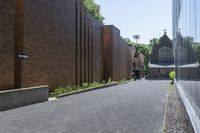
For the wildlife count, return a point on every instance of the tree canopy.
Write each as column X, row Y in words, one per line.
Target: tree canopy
column 128, row 41
column 93, row 9
column 153, row 42
column 197, row 50
column 143, row 48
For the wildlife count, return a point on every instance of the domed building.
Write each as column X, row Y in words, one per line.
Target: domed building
column 161, row 59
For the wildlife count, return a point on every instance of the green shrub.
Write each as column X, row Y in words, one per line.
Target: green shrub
column 103, row 82
column 71, row 88
column 85, row 85
column 122, row 81
column 172, row 75
column 109, row 80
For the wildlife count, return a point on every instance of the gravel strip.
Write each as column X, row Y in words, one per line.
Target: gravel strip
column 175, row 117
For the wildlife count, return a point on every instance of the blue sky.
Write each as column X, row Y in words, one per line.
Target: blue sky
column 148, row 18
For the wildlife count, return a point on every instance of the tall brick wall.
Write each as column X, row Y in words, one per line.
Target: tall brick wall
column 89, row 47
column 108, row 52
column 123, row 60
column 7, row 44
column 50, row 42
column 64, row 43
column 126, row 57
column 131, row 55
column 140, row 61
column 139, row 64
column 117, row 55
column 97, row 52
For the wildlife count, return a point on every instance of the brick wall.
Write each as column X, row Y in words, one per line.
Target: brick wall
column 139, row 61
column 7, row 44
column 89, row 48
column 138, row 64
column 50, row 42
column 131, row 55
column 97, row 52
column 117, row 55
column 107, row 52
column 64, row 43
column 123, row 60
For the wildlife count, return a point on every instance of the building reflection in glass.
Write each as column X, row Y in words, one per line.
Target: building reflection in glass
column 186, row 40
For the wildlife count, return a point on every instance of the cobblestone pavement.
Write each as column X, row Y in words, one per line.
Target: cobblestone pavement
column 135, row 107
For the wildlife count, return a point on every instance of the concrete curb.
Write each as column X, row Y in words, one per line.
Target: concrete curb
column 16, row 98
column 125, row 82
column 89, row 89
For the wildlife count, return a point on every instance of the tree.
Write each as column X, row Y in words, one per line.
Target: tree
column 143, row 48
column 128, row 41
column 153, row 42
column 93, row 9
column 188, row 40
column 197, row 50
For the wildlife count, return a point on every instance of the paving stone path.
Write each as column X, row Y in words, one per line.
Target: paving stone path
column 135, row 107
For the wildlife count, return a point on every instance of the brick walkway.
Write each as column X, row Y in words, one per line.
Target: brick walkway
column 136, row 107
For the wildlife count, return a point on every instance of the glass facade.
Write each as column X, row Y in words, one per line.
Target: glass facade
column 186, row 39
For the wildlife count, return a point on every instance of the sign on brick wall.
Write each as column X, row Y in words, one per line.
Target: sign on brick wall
column 21, row 56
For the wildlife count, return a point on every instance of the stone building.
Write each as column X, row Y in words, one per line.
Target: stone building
column 161, row 59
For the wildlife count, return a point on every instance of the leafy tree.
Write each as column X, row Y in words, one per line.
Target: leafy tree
column 197, row 50
column 93, row 9
column 188, row 40
column 143, row 48
column 153, row 42
column 128, row 41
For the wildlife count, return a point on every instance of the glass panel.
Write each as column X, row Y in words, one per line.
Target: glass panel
column 197, row 44
column 187, row 48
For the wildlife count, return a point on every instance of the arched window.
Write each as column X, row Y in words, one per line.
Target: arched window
column 165, row 55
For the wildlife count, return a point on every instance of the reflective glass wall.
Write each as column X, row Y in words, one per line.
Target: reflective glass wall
column 186, row 38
